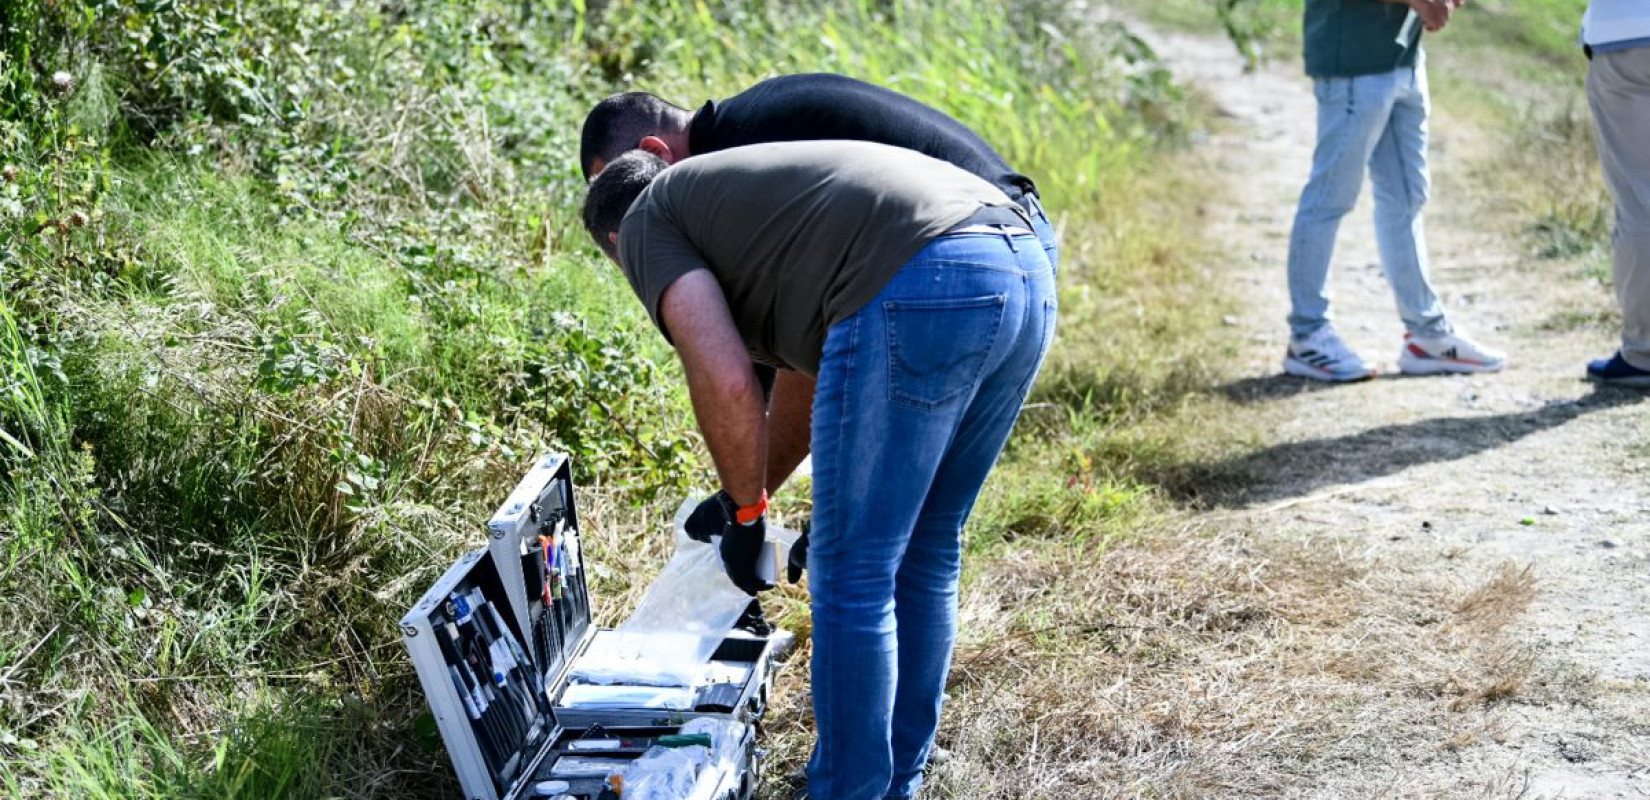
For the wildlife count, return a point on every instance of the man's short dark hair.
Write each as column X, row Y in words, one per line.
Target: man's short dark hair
column 617, row 123
column 614, row 191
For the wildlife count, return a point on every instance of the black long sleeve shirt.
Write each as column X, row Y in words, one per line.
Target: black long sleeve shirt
column 826, row 106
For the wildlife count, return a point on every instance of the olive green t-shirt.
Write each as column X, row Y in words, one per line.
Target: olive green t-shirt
column 800, row 235
column 1348, row 38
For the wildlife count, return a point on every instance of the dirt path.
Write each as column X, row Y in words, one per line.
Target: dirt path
column 1444, row 479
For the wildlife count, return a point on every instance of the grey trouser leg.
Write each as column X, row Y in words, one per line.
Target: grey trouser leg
column 1618, row 90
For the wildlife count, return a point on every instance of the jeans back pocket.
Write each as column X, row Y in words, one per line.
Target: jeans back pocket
column 938, row 348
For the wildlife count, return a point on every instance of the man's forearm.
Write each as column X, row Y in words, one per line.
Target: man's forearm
column 727, row 400
column 790, row 425
column 735, row 428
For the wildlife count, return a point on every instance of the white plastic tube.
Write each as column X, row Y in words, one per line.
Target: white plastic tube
column 1406, row 34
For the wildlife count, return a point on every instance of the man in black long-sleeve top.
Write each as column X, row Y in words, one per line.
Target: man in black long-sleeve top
column 796, row 108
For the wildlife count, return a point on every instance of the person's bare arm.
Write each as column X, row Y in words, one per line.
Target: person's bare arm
column 727, row 400
column 1434, row 14
column 790, row 425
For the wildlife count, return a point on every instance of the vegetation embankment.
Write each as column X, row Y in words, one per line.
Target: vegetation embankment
column 289, row 293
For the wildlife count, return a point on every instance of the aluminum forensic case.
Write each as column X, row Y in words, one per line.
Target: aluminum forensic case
column 495, row 639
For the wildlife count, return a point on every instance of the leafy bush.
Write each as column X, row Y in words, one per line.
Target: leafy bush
column 1256, row 26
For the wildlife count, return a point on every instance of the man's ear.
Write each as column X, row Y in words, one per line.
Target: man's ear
column 657, row 146
column 613, row 238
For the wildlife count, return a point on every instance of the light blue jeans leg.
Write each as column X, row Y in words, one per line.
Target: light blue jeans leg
column 1352, row 115
column 915, row 397
column 1399, row 177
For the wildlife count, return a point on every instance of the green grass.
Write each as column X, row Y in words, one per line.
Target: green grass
column 1516, row 75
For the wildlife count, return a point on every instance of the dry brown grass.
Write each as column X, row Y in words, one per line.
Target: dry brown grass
column 1199, row 663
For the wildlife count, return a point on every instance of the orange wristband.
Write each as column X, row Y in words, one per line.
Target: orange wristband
column 752, row 512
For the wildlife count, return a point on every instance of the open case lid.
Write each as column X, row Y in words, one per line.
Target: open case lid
column 536, row 544
column 494, row 638
column 489, row 699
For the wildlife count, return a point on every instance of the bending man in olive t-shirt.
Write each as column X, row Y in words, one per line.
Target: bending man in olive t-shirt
column 907, row 305
column 805, row 107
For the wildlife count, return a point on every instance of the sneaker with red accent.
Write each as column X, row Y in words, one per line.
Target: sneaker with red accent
column 1452, row 352
column 1324, row 356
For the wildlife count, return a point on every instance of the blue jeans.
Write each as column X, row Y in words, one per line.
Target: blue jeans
column 915, row 398
column 1044, row 229
column 1379, row 121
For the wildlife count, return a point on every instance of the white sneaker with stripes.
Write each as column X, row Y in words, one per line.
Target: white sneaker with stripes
column 1324, row 356
column 1452, row 352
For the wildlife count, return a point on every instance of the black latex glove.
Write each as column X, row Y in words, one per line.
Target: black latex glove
column 797, row 561
column 710, row 517
column 742, row 551
column 754, row 621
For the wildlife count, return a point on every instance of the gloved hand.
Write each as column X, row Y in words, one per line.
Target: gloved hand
column 709, row 517
column 742, row 550
column 754, row 621
column 797, row 561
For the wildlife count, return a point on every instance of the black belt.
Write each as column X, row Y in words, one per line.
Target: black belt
column 1012, row 216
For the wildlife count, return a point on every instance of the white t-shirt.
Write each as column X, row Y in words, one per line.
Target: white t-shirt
column 1615, row 21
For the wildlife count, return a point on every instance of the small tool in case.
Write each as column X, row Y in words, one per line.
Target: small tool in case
column 495, row 642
